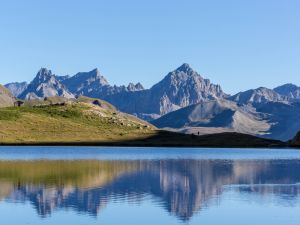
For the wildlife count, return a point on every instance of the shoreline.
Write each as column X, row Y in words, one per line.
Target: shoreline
column 101, row 144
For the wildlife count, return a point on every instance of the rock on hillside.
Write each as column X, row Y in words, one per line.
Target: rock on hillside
column 6, row 98
column 45, row 85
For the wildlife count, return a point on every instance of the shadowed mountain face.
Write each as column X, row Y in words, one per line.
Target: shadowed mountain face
column 180, row 186
column 296, row 140
column 43, row 85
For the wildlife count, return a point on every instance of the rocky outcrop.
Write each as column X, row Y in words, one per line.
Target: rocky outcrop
column 43, row 85
column 135, row 87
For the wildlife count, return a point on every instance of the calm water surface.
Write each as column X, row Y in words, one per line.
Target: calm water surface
column 134, row 186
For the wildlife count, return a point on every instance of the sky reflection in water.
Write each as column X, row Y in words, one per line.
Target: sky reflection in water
column 183, row 187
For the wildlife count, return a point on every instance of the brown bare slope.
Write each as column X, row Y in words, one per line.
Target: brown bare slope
column 6, row 98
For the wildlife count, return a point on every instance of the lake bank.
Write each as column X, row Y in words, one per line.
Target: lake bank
column 169, row 139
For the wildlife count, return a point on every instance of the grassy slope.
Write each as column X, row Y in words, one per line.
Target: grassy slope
column 83, row 123
column 74, row 122
column 6, row 98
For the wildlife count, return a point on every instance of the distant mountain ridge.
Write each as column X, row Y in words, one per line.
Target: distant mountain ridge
column 258, row 96
column 183, row 101
column 289, row 90
column 93, row 84
column 216, row 114
column 179, row 88
column 16, row 88
column 43, row 85
column 270, row 120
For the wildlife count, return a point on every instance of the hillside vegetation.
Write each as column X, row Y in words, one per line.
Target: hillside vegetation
column 58, row 120
column 87, row 121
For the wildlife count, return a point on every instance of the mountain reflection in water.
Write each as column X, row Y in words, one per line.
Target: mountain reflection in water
column 182, row 187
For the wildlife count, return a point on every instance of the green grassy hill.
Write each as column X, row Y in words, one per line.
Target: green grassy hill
column 86, row 121
column 59, row 120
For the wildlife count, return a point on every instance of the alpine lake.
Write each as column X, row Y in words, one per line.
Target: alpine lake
column 161, row 186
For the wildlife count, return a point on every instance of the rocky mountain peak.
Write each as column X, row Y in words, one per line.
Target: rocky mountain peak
column 43, row 75
column 95, row 73
column 183, row 87
column 135, row 87
column 185, row 68
column 43, row 85
column 291, row 91
column 139, row 86
column 90, row 77
column 288, row 86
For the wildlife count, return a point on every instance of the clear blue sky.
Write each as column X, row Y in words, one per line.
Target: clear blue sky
column 239, row 44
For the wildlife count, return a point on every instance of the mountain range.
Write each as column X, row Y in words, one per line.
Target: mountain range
column 182, row 101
